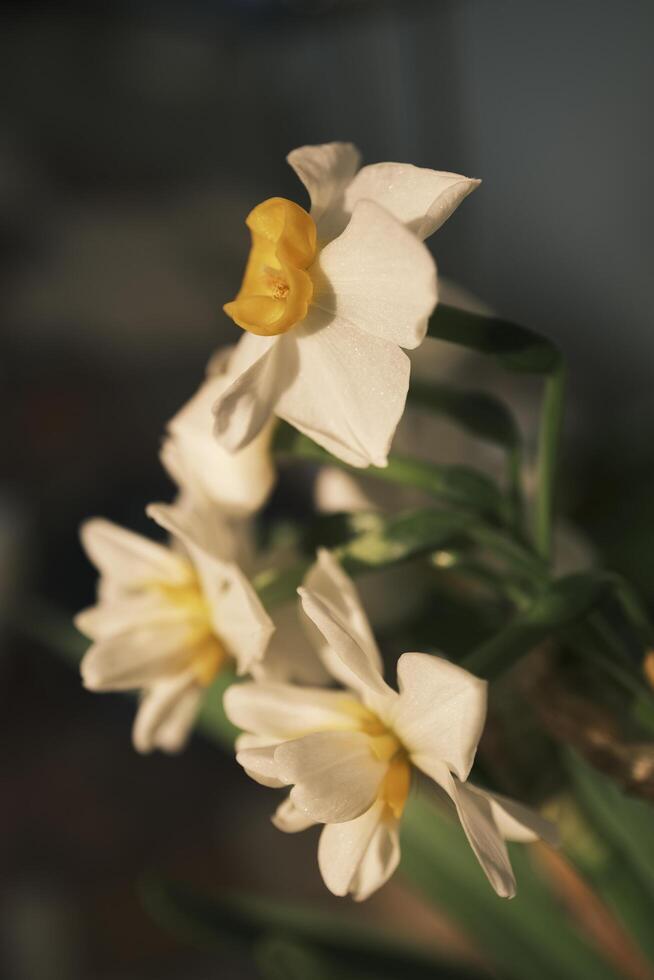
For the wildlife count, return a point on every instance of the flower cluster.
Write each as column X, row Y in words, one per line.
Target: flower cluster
column 329, row 298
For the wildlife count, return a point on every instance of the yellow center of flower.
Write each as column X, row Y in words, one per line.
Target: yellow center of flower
column 396, row 785
column 276, row 288
column 388, row 748
column 207, row 655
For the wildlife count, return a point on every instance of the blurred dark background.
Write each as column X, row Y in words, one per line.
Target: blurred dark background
column 134, row 138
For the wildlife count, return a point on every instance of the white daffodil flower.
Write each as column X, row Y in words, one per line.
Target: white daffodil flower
column 330, row 298
column 240, row 482
column 348, row 754
column 167, row 620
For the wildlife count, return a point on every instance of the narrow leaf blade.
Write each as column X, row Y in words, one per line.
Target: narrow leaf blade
column 516, row 348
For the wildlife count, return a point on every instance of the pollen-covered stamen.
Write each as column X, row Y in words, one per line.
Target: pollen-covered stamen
column 279, row 288
column 276, row 288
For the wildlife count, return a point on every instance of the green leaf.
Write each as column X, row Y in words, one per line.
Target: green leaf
column 400, row 538
column 456, row 485
column 337, row 528
column 627, row 824
column 634, row 611
column 562, row 608
column 549, row 439
column 516, row 348
column 480, row 414
column 317, row 937
column 563, row 603
column 393, row 540
column 484, row 417
column 528, row 936
column 518, row 557
column 276, row 586
column 624, row 895
column 280, row 959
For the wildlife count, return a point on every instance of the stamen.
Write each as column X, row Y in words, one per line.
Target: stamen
column 279, row 288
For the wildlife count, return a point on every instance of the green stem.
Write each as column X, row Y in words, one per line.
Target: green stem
column 548, row 452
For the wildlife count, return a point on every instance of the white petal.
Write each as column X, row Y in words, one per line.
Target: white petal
column 291, row 657
column 517, row 822
column 136, row 659
column 111, row 617
column 238, row 482
column 176, row 465
column 166, row 714
column 245, row 740
column 244, row 408
column 174, row 732
column 193, row 516
column 348, row 389
column 237, row 615
column 283, row 711
column 359, row 856
column 336, row 774
column 325, row 171
column 485, row 839
column 129, row 559
column 259, row 764
column 378, row 276
column 476, row 816
column 441, row 710
column 354, row 665
column 380, row 860
column 421, row 199
column 289, row 819
column 328, row 582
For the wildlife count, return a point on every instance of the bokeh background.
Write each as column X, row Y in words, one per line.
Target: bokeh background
column 134, row 138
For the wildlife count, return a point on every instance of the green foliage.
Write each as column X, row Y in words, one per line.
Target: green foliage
column 400, row 538
column 524, row 351
column 528, row 936
column 290, row 938
column 458, row 486
column 472, row 532
column 480, row 414
column 516, row 348
column 390, row 541
column 622, row 869
column 626, row 824
column 562, row 603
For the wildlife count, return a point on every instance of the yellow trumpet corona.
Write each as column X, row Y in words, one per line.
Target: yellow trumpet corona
column 276, row 288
